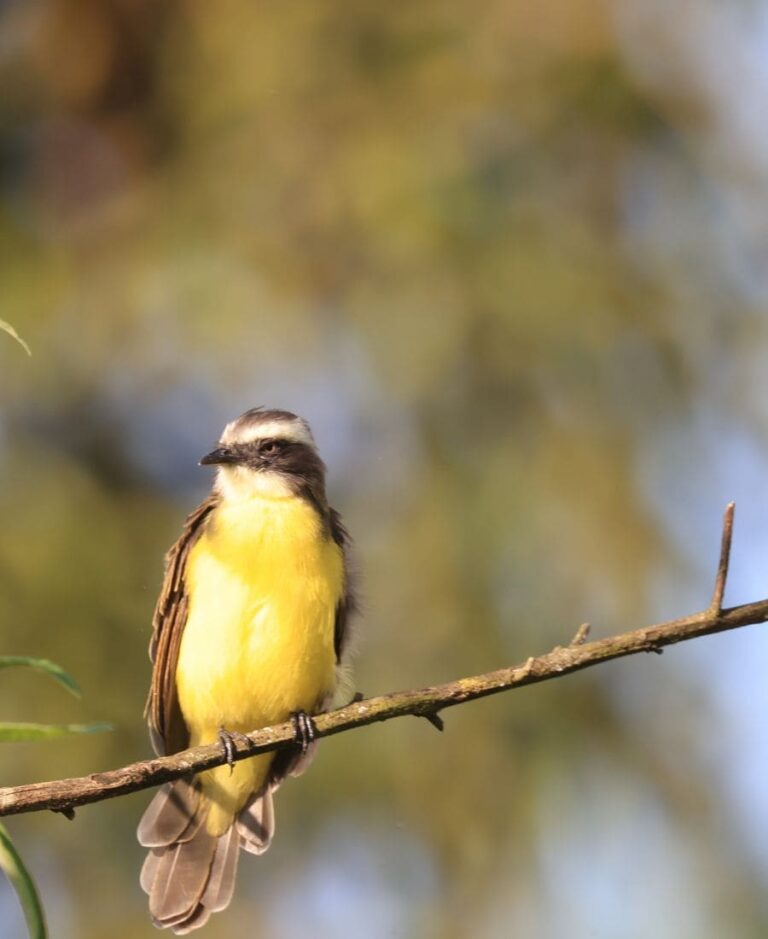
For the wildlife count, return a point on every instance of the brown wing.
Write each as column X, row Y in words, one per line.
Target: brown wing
column 347, row 605
column 167, row 729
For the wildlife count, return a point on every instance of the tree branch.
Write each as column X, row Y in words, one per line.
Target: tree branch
column 63, row 795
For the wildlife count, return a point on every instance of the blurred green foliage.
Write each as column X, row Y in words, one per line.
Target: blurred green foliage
column 508, row 261
column 13, row 867
column 7, row 328
column 19, row 732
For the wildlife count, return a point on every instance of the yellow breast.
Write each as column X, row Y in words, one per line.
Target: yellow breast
column 264, row 581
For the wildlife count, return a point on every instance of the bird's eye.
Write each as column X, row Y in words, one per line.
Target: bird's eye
column 269, row 447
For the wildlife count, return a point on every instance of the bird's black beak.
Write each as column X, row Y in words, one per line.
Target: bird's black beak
column 218, row 456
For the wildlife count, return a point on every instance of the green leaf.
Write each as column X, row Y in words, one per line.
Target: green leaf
column 42, row 665
column 22, row 882
column 6, row 327
column 19, row 732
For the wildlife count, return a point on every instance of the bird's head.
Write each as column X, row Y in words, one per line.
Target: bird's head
column 269, row 453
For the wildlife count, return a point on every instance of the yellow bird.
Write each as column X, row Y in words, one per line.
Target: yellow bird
column 251, row 629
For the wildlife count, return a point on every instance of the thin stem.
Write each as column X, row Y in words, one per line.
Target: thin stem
column 63, row 795
column 725, row 558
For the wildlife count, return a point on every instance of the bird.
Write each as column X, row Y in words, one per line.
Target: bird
column 251, row 628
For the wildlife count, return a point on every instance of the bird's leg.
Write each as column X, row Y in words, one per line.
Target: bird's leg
column 304, row 729
column 227, row 740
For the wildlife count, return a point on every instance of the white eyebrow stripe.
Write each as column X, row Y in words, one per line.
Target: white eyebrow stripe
column 295, row 431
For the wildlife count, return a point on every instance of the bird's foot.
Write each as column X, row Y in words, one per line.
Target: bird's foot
column 227, row 740
column 304, row 729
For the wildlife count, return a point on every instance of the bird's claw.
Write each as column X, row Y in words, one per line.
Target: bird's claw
column 304, row 729
column 227, row 740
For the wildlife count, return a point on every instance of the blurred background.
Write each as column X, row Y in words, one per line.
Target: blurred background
column 511, row 261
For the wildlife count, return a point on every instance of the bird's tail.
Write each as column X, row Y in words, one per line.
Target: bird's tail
column 189, row 873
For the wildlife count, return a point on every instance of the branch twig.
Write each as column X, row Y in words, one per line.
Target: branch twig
column 582, row 634
column 725, row 557
column 63, row 795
